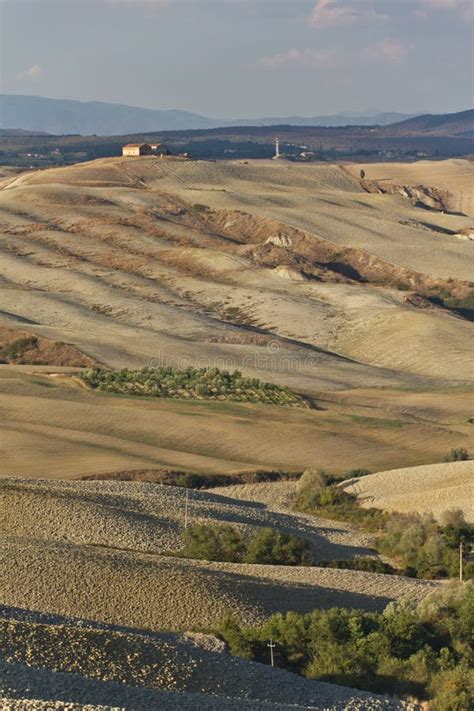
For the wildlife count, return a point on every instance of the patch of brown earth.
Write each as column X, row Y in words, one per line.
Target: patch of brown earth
column 18, row 347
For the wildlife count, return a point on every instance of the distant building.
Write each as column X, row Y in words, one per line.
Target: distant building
column 159, row 149
column 137, row 149
column 145, row 149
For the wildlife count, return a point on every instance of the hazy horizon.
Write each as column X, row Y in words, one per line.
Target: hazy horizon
column 242, row 58
column 350, row 114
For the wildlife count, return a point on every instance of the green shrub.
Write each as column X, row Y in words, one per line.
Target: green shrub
column 270, row 547
column 356, row 473
column 203, row 481
column 421, row 547
column 459, row 454
column 224, row 542
column 213, row 542
column 423, row 650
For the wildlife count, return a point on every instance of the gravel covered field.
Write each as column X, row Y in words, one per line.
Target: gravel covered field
column 92, row 549
column 164, row 593
column 74, row 661
column 150, row 517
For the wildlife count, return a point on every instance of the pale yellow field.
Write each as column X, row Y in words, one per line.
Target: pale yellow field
column 54, row 428
column 119, row 258
column 432, row 488
column 455, row 176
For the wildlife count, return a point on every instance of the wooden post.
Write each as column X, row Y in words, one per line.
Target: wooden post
column 186, row 502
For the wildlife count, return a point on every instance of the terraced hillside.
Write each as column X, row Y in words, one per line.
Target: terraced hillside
column 114, row 249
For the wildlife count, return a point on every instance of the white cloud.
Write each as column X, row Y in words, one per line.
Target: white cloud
column 465, row 8
column 33, row 73
column 332, row 12
column 391, row 50
column 343, row 12
column 308, row 56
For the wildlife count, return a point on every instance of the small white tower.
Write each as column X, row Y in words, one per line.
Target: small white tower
column 277, row 149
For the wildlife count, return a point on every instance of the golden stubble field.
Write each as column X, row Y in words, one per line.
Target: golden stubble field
column 145, row 262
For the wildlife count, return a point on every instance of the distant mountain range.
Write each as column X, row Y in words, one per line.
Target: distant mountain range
column 61, row 116
column 458, row 124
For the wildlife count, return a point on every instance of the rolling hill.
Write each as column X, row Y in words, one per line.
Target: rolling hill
column 65, row 116
column 353, row 291
column 293, row 274
column 52, row 662
column 461, row 123
column 431, row 489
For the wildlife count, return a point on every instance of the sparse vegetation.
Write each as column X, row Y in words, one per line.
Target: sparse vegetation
column 356, row 473
column 459, row 454
column 192, row 383
column 223, row 542
column 419, row 650
column 17, row 349
column 20, row 348
column 422, row 547
column 370, row 565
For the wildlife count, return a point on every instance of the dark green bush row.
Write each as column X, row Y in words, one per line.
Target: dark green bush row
column 424, row 651
column 223, row 542
column 202, row 481
column 370, row 565
column 422, row 547
column 192, row 383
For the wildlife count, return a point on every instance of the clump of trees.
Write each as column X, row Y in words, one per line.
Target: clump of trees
column 189, row 480
column 320, row 493
column 422, row 547
column 223, row 542
column 458, row 454
column 191, row 383
column 422, row 650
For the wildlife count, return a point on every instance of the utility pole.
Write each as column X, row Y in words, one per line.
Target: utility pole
column 272, row 647
column 460, row 559
column 186, row 503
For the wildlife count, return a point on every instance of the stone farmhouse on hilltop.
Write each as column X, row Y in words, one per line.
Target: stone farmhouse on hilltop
column 145, row 149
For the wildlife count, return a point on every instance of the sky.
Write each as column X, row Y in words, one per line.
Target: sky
column 243, row 58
